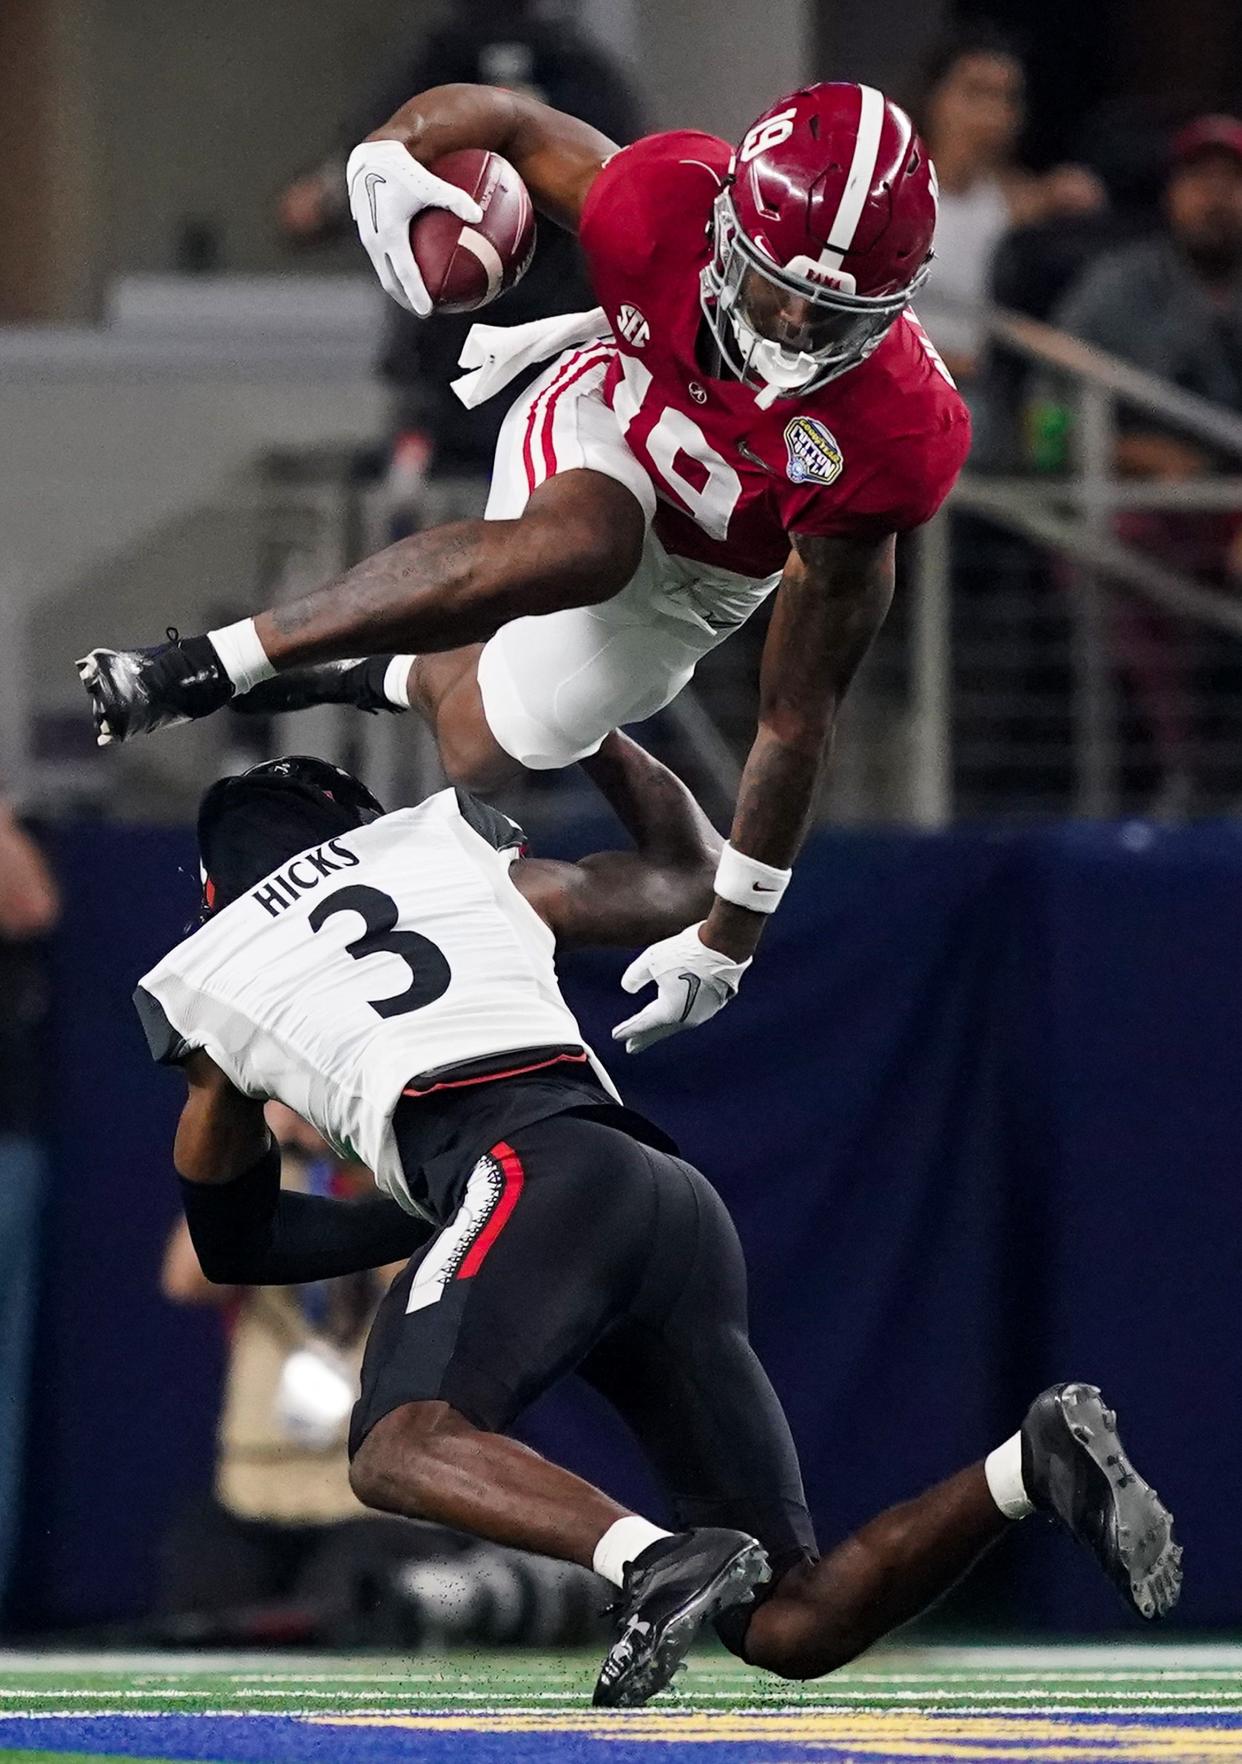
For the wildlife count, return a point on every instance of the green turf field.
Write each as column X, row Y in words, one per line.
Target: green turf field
column 1130, row 1703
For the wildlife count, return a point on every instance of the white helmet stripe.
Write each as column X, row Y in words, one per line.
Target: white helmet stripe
column 861, row 176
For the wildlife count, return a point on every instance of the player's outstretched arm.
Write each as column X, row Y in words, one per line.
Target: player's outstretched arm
column 833, row 598
column 831, row 602
column 656, row 809
column 629, row 897
column 246, row 1229
column 555, row 154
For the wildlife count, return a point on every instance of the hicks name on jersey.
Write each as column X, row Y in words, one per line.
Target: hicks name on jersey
column 304, row 873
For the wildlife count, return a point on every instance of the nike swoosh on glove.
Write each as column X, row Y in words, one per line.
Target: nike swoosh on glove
column 387, row 188
column 692, row 983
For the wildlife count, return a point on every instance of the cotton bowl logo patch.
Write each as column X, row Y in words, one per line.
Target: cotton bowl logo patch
column 814, row 456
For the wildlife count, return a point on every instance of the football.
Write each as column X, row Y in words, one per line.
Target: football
column 465, row 267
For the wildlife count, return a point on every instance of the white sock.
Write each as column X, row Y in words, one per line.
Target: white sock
column 242, row 656
column 397, row 681
column 1003, row 1469
column 623, row 1540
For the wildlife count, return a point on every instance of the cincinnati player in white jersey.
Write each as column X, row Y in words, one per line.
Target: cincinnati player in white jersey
column 752, row 410
column 280, row 987
column 392, row 978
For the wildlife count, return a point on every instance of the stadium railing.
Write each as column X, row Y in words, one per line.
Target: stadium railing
column 1037, row 688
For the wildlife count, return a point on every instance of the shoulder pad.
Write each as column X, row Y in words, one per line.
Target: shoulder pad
column 168, row 1047
column 500, row 832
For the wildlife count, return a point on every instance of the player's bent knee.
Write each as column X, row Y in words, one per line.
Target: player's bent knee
column 395, row 1469
column 364, row 1480
column 472, row 757
column 477, row 766
column 596, row 530
column 798, row 1662
column 797, row 1638
column 605, row 566
column 798, row 1657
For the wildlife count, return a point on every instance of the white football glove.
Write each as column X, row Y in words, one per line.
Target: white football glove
column 387, row 188
column 692, row 983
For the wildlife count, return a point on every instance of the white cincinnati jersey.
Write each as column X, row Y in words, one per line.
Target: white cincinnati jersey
column 388, row 953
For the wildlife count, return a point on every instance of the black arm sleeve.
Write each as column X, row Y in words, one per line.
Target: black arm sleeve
column 251, row 1232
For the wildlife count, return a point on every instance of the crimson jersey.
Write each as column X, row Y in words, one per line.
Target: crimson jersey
column 875, row 451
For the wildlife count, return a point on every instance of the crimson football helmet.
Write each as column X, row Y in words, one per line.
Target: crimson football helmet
column 820, row 237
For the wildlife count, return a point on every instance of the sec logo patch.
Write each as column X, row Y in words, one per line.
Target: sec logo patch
column 815, row 456
column 633, row 326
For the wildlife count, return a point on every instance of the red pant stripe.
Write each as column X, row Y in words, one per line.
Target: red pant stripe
column 540, row 404
column 512, row 1178
column 585, row 365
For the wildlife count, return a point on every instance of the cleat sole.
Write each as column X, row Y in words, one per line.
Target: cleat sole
column 733, row 1585
column 1148, row 1558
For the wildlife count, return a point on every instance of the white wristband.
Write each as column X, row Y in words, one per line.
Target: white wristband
column 747, row 883
column 397, row 682
column 241, row 654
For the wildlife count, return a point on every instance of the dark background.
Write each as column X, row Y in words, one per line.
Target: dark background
column 977, row 1112
column 1134, row 56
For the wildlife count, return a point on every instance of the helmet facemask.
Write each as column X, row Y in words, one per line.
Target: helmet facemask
column 792, row 329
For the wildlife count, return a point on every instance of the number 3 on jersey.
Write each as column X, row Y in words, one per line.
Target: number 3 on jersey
column 711, row 495
column 430, row 973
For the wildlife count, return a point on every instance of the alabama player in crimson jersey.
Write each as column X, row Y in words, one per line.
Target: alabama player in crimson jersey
column 752, row 409
column 858, row 454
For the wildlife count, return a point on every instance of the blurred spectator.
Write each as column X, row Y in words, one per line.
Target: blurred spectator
column 1125, row 142
column 29, row 909
column 510, row 43
column 282, row 1549
column 970, row 110
column 282, row 1531
column 1172, row 304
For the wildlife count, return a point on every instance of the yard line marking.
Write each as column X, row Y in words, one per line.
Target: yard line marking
column 934, row 1702
column 1046, row 1661
column 147, row 1696
column 318, row 1718
column 1069, row 1677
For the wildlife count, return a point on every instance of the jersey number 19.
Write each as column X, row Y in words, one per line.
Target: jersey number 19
column 711, row 495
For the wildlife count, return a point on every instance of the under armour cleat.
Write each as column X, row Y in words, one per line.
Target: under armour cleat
column 137, row 691
column 1074, row 1467
column 671, row 1590
column 360, row 683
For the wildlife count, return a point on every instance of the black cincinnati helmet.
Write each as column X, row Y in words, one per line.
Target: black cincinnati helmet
column 250, row 824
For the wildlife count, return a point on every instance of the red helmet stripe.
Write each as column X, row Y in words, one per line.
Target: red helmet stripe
column 833, row 201
column 861, row 177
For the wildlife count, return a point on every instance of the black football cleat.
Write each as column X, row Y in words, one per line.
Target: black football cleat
column 137, row 691
column 360, row 683
column 1074, row 1467
column 671, row 1590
